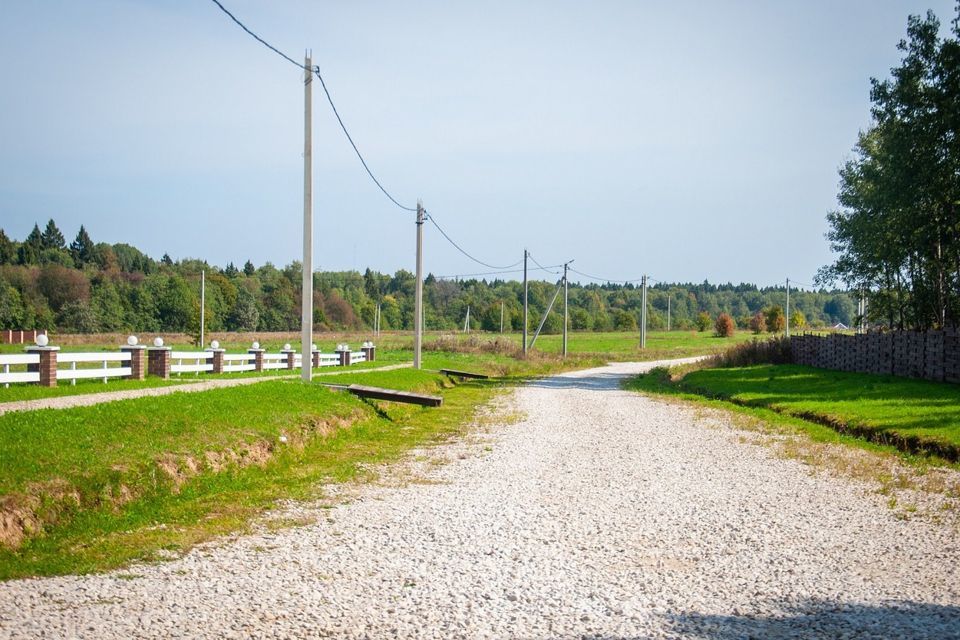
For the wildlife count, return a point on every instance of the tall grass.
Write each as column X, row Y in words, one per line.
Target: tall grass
column 774, row 350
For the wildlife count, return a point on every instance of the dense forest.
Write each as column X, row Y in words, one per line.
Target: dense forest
column 98, row 287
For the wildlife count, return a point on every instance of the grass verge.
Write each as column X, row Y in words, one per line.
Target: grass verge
column 918, row 419
column 93, row 488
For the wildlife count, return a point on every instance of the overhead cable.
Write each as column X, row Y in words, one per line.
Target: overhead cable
column 494, row 273
column 556, row 273
column 599, row 279
column 316, row 71
column 461, row 250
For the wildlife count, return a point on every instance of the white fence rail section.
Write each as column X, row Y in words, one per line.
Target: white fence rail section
column 18, row 360
column 135, row 361
column 328, row 359
column 105, row 371
column 200, row 362
column 244, row 362
column 274, row 361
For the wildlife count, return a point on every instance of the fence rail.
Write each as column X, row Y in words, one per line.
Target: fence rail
column 44, row 364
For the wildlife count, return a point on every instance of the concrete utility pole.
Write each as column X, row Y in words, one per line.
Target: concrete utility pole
column 668, row 311
column 306, row 335
column 203, row 304
column 525, row 301
column 788, row 307
column 466, row 321
column 418, row 296
column 565, row 314
column 643, row 315
column 501, row 316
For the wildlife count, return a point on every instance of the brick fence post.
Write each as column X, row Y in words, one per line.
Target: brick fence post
column 138, row 361
column 158, row 361
column 343, row 352
column 370, row 351
column 291, row 357
column 257, row 358
column 315, row 357
column 48, row 364
column 217, row 359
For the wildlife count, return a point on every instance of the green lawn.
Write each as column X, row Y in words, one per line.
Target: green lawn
column 111, row 483
column 621, row 345
column 913, row 415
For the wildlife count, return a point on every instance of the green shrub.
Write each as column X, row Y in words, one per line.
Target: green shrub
column 703, row 321
column 776, row 320
column 798, row 320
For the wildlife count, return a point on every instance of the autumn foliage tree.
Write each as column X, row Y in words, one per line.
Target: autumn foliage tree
column 725, row 326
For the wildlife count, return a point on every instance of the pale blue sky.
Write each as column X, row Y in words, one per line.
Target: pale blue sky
column 687, row 140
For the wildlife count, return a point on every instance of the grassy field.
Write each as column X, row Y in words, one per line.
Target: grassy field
column 392, row 348
column 97, row 487
column 915, row 416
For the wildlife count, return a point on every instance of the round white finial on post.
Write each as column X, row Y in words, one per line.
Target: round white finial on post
column 132, row 341
column 42, row 340
column 286, row 347
column 313, row 347
column 255, row 345
column 158, row 341
column 214, row 344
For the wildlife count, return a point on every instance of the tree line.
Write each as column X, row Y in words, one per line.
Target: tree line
column 897, row 232
column 86, row 287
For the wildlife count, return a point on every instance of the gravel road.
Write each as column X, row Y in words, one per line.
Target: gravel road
column 599, row 514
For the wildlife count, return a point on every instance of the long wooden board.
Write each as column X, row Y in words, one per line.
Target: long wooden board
column 393, row 395
column 464, row 374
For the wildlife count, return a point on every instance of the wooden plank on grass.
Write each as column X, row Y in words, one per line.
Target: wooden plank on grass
column 393, row 395
column 464, row 374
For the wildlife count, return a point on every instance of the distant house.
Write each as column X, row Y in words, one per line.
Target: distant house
column 839, row 327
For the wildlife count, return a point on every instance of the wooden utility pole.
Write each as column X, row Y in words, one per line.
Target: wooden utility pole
column 525, row 301
column 306, row 296
column 565, row 314
column 418, row 295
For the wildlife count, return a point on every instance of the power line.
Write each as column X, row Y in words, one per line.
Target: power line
column 543, row 268
column 494, row 273
column 323, row 84
column 316, row 71
column 599, row 279
column 461, row 250
column 258, row 38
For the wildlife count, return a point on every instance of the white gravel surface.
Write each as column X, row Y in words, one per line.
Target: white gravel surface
column 600, row 514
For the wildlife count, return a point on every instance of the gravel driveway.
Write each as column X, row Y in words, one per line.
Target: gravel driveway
column 600, row 513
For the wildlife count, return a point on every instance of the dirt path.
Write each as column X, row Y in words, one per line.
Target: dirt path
column 599, row 514
column 85, row 400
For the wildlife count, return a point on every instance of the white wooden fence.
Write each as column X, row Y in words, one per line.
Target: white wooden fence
column 201, row 362
column 105, row 371
column 25, row 367
column 19, row 361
